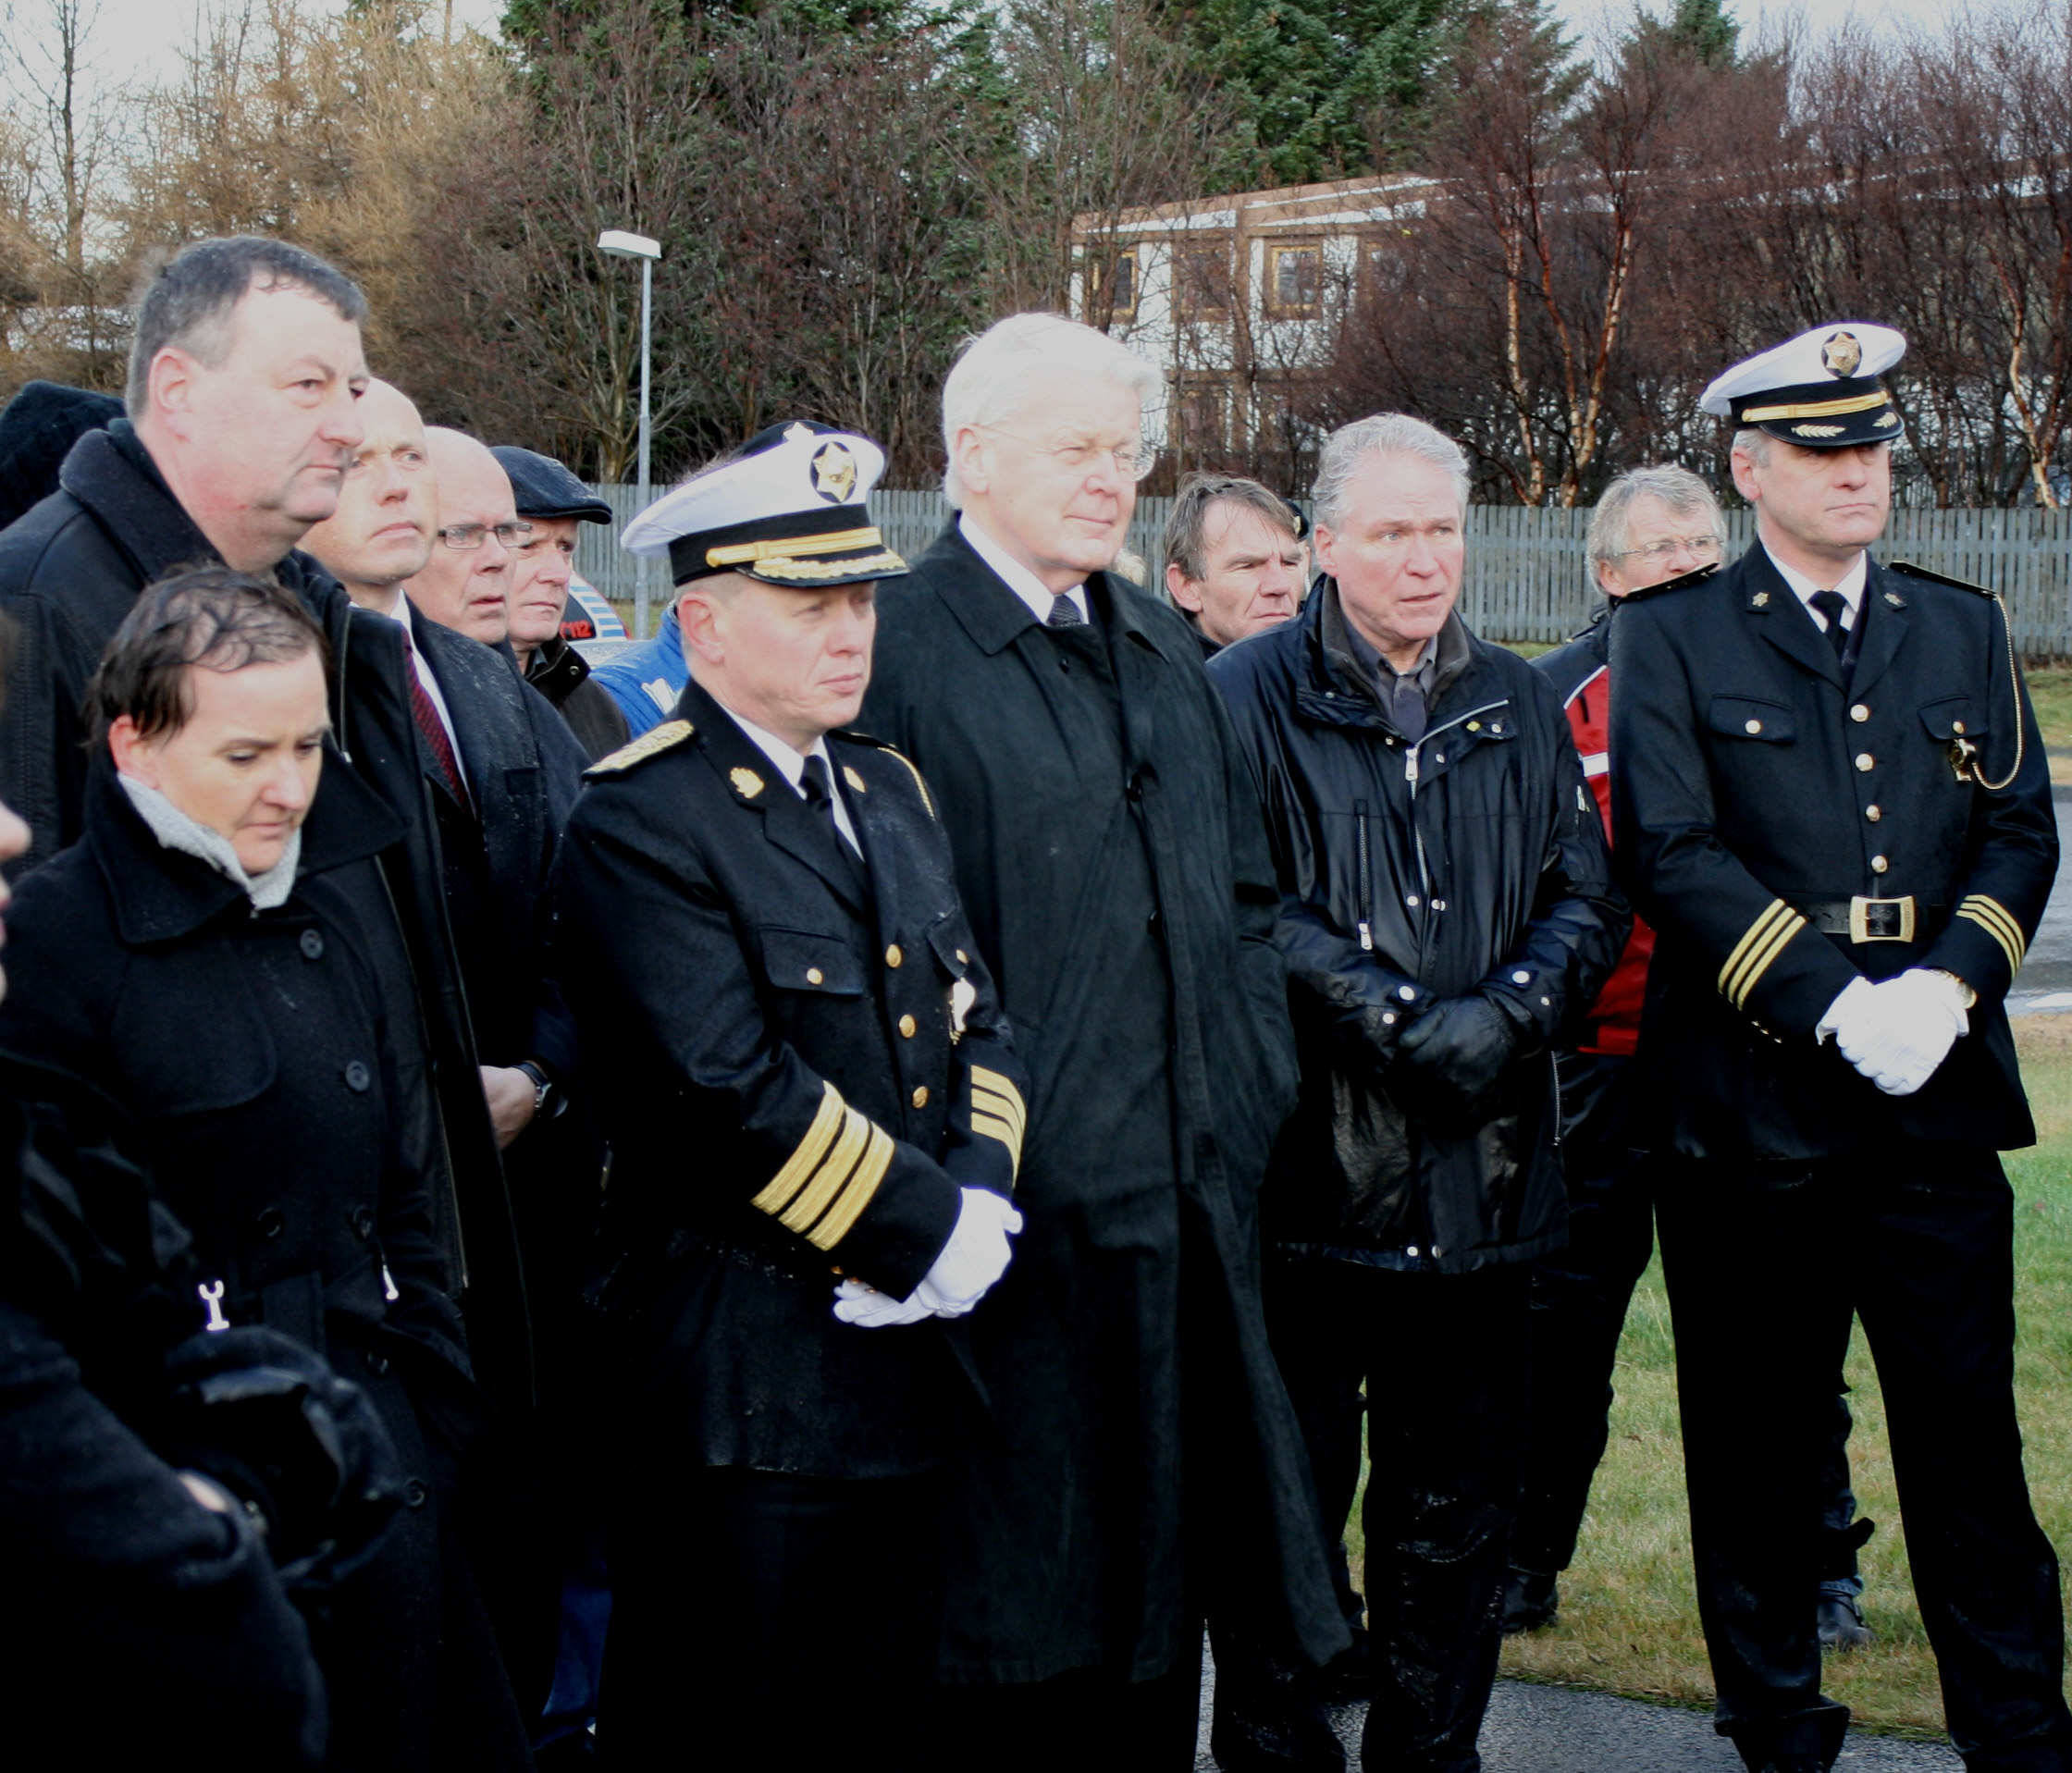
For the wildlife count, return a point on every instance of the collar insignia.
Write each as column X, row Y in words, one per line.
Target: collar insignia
column 746, row 783
column 1760, row 600
column 854, row 780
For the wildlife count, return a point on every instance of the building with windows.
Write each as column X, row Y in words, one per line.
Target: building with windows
column 1238, row 299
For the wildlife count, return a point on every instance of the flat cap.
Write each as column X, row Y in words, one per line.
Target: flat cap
column 788, row 508
column 546, row 488
column 1820, row 391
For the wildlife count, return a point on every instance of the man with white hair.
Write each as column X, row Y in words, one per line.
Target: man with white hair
column 1448, row 914
column 1146, row 1463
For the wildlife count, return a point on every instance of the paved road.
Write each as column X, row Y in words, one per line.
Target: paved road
column 2048, row 972
column 1558, row 1730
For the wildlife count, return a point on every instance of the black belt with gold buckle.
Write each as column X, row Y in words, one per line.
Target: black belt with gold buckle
column 1863, row 920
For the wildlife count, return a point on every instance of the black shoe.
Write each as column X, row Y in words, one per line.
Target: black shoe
column 1797, row 1764
column 1531, row 1600
column 1349, row 1678
column 1841, row 1622
column 1268, row 1718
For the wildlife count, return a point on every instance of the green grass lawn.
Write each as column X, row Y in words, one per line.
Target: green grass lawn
column 2050, row 688
column 1628, row 1621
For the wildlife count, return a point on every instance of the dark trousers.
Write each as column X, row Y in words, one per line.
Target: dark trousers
column 760, row 1621
column 1579, row 1297
column 1087, row 1720
column 1443, row 1360
column 1764, row 1265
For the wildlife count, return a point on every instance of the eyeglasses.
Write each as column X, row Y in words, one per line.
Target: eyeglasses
column 464, row 537
column 1133, row 461
column 1707, row 547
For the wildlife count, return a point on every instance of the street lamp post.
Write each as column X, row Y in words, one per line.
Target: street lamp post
column 616, row 243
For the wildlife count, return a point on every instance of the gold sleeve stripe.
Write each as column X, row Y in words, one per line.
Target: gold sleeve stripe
column 1759, row 945
column 877, row 1159
column 984, row 1078
column 1998, row 922
column 994, row 1127
column 810, row 1151
column 1008, row 1108
column 927, row 799
column 814, row 1198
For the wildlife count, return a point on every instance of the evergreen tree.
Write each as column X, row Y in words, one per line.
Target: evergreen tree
column 1699, row 31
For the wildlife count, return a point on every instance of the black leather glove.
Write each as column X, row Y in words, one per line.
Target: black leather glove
column 1450, row 1063
column 304, row 1450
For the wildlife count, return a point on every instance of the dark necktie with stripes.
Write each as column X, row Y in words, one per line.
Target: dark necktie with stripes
column 432, row 728
column 1064, row 614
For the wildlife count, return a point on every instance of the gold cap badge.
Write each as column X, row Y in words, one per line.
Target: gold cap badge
column 1840, row 353
column 834, row 473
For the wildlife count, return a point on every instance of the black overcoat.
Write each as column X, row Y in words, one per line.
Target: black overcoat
column 69, row 570
column 1110, row 852
column 562, row 675
column 1757, row 794
column 253, row 1053
column 789, row 1101
column 149, row 1619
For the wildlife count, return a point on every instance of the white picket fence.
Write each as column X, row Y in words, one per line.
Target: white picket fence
column 1527, row 578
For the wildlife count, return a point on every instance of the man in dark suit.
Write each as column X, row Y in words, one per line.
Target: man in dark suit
column 1110, row 850
column 816, row 1118
column 422, row 536
column 1833, row 805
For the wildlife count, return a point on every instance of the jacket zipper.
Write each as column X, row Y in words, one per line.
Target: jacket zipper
column 1410, row 775
column 1367, row 880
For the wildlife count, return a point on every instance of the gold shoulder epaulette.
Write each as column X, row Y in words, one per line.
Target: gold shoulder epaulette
column 655, row 740
column 1682, row 582
column 1913, row 572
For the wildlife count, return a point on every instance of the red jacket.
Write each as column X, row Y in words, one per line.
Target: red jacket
column 1582, row 672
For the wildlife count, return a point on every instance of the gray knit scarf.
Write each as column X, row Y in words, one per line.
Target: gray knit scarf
column 176, row 830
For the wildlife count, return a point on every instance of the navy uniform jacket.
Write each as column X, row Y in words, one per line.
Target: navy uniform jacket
column 1755, row 797
column 788, row 1100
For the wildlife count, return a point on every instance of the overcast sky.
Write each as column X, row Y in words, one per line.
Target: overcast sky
column 141, row 37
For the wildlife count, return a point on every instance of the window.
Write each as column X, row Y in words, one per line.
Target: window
column 1113, row 295
column 1295, row 278
column 1203, row 274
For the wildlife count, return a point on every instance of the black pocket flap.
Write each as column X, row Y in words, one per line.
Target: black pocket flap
column 800, row 960
column 950, row 936
column 1751, row 717
column 1954, row 717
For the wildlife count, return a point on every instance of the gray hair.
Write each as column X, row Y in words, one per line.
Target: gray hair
column 1187, row 527
column 1385, row 433
column 188, row 304
column 1000, row 369
column 1753, row 444
column 1611, row 532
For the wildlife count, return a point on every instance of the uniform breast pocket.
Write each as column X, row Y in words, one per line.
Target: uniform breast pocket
column 806, row 960
column 1954, row 717
column 950, row 937
column 1751, row 717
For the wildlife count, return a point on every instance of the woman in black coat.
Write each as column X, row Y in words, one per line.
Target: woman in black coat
column 201, row 955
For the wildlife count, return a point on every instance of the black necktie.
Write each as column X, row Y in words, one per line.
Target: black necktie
column 1064, row 614
column 1833, row 606
column 819, row 789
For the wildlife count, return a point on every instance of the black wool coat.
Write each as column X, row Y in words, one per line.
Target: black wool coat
column 791, row 1100
column 562, row 675
column 69, row 570
column 1110, row 853
column 1756, row 786
column 254, row 1052
column 1470, row 859
column 156, row 1621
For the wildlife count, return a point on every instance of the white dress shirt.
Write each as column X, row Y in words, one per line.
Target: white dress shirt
column 403, row 616
column 1024, row 584
column 791, row 765
column 1850, row 584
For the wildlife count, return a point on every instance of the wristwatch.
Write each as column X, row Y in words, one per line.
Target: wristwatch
column 548, row 1100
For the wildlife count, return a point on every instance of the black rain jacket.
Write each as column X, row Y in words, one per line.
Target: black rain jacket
column 1472, row 860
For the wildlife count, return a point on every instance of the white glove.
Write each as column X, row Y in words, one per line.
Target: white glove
column 975, row 1257
column 1898, row 1031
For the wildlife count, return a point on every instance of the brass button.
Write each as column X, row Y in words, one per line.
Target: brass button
column 906, row 1027
column 1753, row 726
column 892, row 955
column 920, row 1096
column 1866, row 762
column 1879, row 865
column 814, row 976
column 1956, row 726
column 1859, row 712
column 1873, row 814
